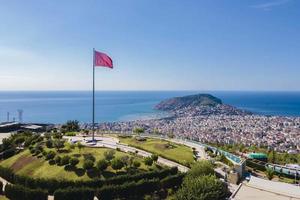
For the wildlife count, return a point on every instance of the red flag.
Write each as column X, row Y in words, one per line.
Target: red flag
column 102, row 60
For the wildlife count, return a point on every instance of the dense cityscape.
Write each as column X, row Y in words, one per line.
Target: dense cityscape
column 222, row 124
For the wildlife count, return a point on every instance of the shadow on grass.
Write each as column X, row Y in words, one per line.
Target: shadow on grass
column 51, row 162
column 70, row 168
column 77, row 155
column 79, row 171
column 121, row 173
column 93, row 173
column 63, row 151
column 108, row 174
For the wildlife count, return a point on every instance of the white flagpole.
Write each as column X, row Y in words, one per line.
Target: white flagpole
column 93, row 128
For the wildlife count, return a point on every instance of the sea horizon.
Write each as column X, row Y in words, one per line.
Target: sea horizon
column 60, row 106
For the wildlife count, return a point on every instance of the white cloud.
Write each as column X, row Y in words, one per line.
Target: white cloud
column 271, row 4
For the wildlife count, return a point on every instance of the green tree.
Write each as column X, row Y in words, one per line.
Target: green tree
column 272, row 157
column 79, row 146
column 109, row 155
column 57, row 159
column 59, row 144
column 102, row 165
column 88, row 164
column 74, row 161
column 202, row 188
column 125, row 160
column 154, row 157
column 269, row 173
column 201, row 168
column 117, row 164
column 148, row 161
column 71, row 126
column 49, row 144
column 50, row 155
column 138, row 130
column 136, row 164
column 65, row 160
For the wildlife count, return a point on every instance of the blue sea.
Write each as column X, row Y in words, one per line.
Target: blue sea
column 60, row 106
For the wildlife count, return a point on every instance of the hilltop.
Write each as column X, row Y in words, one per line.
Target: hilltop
column 186, row 101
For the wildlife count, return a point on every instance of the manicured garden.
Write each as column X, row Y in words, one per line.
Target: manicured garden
column 41, row 165
column 25, row 163
column 172, row 151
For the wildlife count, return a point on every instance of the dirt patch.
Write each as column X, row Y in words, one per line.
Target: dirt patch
column 164, row 146
column 22, row 161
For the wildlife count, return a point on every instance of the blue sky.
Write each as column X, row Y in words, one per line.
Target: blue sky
column 155, row 44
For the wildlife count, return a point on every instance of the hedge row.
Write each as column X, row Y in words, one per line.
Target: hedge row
column 172, row 181
column 74, row 193
column 131, row 190
column 52, row 184
column 17, row 192
column 128, row 190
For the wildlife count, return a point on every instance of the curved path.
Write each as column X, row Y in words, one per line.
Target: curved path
column 114, row 143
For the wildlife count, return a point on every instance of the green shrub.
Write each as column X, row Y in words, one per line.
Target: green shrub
column 172, row 181
column 74, row 161
column 102, row 165
column 37, row 152
column 51, row 162
column 49, row 144
column 8, row 153
column 136, row 164
column 57, row 159
column 204, row 187
column 65, row 160
column 129, row 190
column 201, row 168
column 50, row 155
column 109, row 155
column 148, row 161
column 18, row 192
column 154, row 157
column 89, row 157
column 32, row 151
column 88, row 164
column 74, row 193
column 44, row 153
column 70, row 134
column 117, row 164
column 53, row 184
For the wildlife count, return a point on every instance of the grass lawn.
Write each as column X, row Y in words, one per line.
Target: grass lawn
column 177, row 152
column 26, row 164
column 71, row 133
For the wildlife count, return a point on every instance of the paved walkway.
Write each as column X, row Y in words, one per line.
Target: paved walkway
column 113, row 143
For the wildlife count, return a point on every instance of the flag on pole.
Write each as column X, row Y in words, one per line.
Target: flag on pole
column 102, row 60
column 99, row 60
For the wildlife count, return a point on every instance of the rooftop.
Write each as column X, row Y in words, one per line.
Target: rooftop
column 261, row 189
